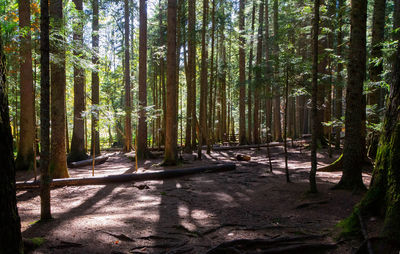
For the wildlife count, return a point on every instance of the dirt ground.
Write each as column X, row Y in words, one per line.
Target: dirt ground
column 191, row 214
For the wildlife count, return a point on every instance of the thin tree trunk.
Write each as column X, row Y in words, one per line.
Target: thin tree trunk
column 314, row 95
column 95, row 81
column 242, row 76
column 203, row 130
column 277, row 98
column 45, row 179
column 250, row 86
column 339, row 83
column 258, row 81
column 128, row 109
column 141, row 151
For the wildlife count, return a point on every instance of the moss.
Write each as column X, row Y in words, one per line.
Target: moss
column 350, row 227
column 37, row 241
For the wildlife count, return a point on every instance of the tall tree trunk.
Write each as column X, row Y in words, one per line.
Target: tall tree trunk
column 250, row 80
column 128, row 105
column 78, row 151
column 258, row 81
column 95, row 81
column 339, row 83
column 171, row 152
column 268, row 100
column 242, row 76
column 353, row 150
column 203, row 130
column 382, row 196
column 222, row 86
column 314, row 95
column 58, row 158
column 45, row 211
column 191, row 74
column 211, row 81
column 27, row 131
column 376, row 65
column 10, row 230
column 141, row 151
column 277, row 98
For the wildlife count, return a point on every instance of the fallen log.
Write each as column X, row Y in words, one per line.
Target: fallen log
column 224, row 148
column 162, row 174
column 98, row 160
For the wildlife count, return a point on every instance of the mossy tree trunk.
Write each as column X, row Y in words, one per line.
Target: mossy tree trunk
column 383, row 197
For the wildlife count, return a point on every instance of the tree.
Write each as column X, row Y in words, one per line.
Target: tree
column 277, row 98
column 24, row 159
column 376, row 64
column 171, row 152
column 10, row 230
column 58, row 158
column 314, row 93
column 141, row 151
column 382, row 196
column 128, row 109
column 258, row 81
column 95, row 80
column 78, row 151
column 353, row 151
column 242, row 76
column 45, row 211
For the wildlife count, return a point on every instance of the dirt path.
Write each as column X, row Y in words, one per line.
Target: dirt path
column 191, row 214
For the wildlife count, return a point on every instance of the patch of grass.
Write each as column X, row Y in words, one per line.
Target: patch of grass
column 37, row 241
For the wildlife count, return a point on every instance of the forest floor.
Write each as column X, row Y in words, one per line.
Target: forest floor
column 191, row 214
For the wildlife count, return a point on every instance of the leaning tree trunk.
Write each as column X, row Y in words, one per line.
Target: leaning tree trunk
column 58, row 158
column 353, row 150
column 383, row 196
column 171, row 151
column 27, row 126
column 78, row 151
column 10, row 230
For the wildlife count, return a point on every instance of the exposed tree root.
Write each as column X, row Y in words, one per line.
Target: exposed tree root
column 304, row 205
column 277, row 245
column 162, row 174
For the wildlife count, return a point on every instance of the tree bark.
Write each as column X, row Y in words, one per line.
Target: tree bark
column 128, row 105
column 58, row 158
column 258, row 80
column 95, row 81
column 339, row 83
column 314, row 95
column 277, row 98
column 171, row 152
column 45, row 211
column 10, row 230
column 376, row 68
column 191, row 74
column 142, row 151
column 242, row 76
column 78, row 151
column 250, row 86
column 353, row 150
column 382, row 196
column 24, row 159
column 203, row 130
